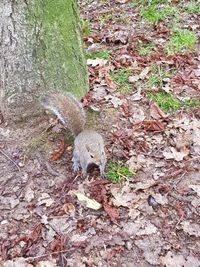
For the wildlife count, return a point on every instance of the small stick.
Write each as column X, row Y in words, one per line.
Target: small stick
column 51, row 253
column 3, row 153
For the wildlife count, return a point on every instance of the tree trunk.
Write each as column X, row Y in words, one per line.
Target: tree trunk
column 41, row 50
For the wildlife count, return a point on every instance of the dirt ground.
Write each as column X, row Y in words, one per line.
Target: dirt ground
column 149, row 219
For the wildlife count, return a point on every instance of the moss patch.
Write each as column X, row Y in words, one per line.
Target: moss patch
column 58, row 49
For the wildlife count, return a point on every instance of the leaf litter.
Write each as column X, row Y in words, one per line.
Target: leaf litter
column 144, row 220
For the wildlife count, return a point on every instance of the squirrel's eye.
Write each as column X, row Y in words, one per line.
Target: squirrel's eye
column 92, row 156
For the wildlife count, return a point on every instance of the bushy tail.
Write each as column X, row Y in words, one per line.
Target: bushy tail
column 68, row 110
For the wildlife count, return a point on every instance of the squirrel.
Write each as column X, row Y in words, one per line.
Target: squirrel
column 88, row 144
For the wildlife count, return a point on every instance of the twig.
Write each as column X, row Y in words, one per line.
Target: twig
column 3, row 153
column 160, row 75
column 52, row 253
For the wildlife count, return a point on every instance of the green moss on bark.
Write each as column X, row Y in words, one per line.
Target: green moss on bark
column 58, row 49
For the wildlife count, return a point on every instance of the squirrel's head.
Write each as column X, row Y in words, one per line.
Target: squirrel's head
column 96, row 154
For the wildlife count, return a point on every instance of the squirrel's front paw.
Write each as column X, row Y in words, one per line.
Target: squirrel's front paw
column 76, row 165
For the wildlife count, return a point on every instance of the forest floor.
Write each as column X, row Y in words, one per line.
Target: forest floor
column 144, row 65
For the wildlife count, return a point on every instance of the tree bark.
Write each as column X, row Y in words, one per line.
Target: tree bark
column 40, row 50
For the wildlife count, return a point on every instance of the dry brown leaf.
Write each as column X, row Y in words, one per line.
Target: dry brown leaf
column 112, row 86
column 152, row 125
column 112, row 212
column 156, row 113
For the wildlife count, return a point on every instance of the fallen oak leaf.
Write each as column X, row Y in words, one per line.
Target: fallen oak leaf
column 112, row 212
column 156, row 113
column 151, row 125
column 110, row 83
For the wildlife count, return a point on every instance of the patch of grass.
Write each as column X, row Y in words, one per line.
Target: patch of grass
column 181, row 40
column 169, row 103
column 85, row 27
column 117, row 172
column 166, row 101
column 153, row 14
column 192, row 8
column 192, row 103
column 144, row 50
column 103, row 54
column 105, row 18
column 158, row 74
column 120, row 77
column 143, row 3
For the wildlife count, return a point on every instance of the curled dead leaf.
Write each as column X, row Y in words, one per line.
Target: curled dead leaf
column 156, row 113
column 110, row 83
column 69, row 209
column 151, row 125
column 112, row 212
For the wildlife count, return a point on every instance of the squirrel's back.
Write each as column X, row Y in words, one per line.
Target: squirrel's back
column 67, row 109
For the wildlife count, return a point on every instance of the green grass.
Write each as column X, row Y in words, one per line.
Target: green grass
column 143, row 3
column 144, row 50
column 192, row 8
column 166, row 101
column 181, row 40
column 158, row 74
column 169, row 103
column 103, row 54
column 120, row 77
column 85, row 27
column 193, row 103
column 153, row 14
column 117, row 172
column 105, row 18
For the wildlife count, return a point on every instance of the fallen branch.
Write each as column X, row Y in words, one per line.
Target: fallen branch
column 3, row 153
